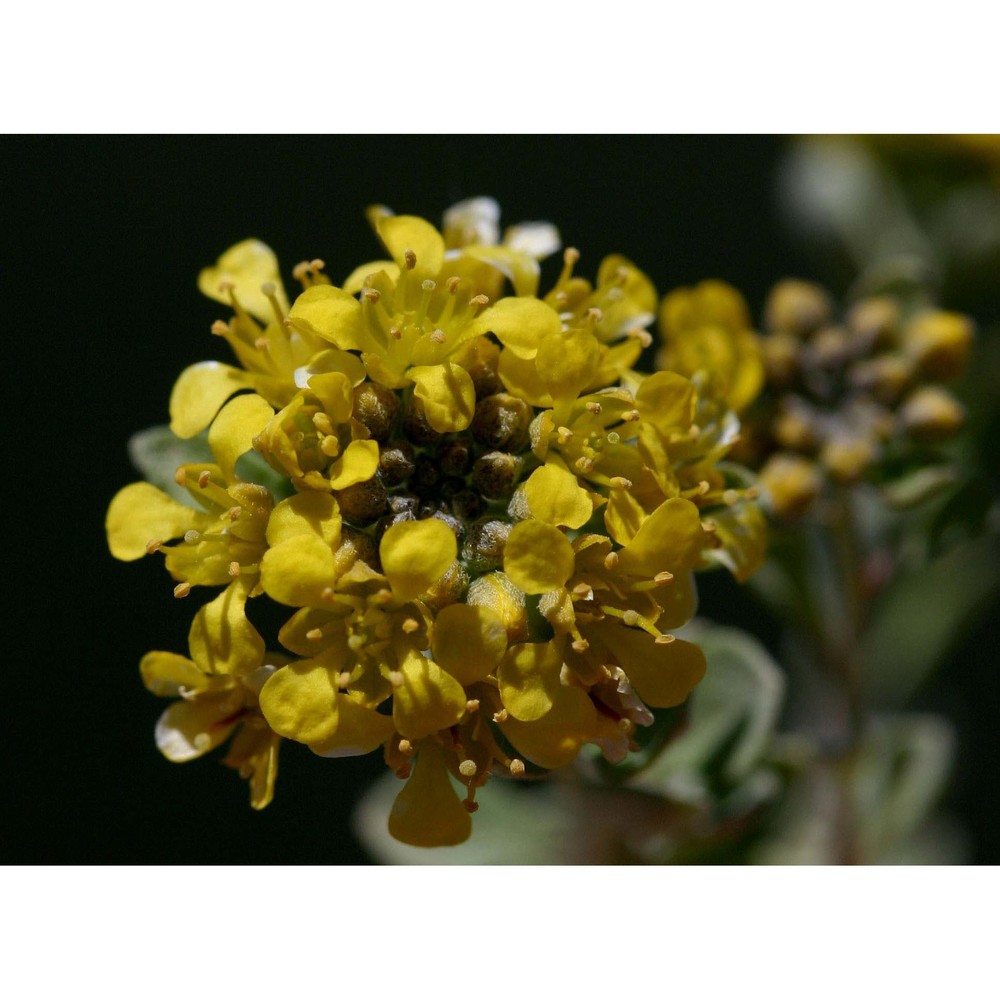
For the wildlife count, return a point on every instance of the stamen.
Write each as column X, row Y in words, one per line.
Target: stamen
column 730, row 497
column 180, row 476
column 396, row 678
column 409, row 259
column 468, row 769
column 517, row 768
column 204, row 478
column 438, row 336
column 583, row 589
column 664, row 639
column 191, row 536
column 452, row 284
column 371, row 295
column 405, row 747
column 153, row 545
column 593, row 407
column 500, row 716
column 613, row 437
column 621, row 483
column 314, row 634
column 630, row 416
column 580, row 646
column 410, row 625
column 479, row 300
column 396, row 333
column 182, row 589
column 344, row 678
column 564, row 435
column 663, row 577
column 261, row 343
column 234, row 569
column 611, row 561
column 321, row 421
column 584, row 464
column 643, row 336
column 595, row 315
column 472, row 705
column 219, row 328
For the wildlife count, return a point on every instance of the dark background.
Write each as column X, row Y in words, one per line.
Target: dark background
column 103, row 239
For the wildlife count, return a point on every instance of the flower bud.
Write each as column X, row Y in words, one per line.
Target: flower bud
column 495, row 474
column 501, row 422
column 873, row 323
column 847, row 456
column 363, row 502
column 791, row 484
column 376, row 407
column 931, row 413
column 484, row 545
column 797, row 307
column 396, row 463
column 939, row 342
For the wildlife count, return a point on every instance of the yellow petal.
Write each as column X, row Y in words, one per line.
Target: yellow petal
column 520, row 377
column 233, row 430
column 566, row 362
column 555, row 496
column 188, row 729
column 428, row 700
column 400, row 233
column 199, row 392
column 415, row 555
column 671, row 538
column 537, row 557
column 623, row 516
column 309, row 513
column 299, row 571
column 528, row 676
column 519, row 323
column 359, row 731
column 140, row 513
column 468, row 641
column 663, row 674
column 166, row 673
column 357, row 465
column 330, row 313
column 221, row 639
column 448, row 395
column 335, row 391
column 555, row 739
column 247, row 265
column 520, row 268
column 356, row 279
column 428, row 812
column 666, row 400
column 300, row 701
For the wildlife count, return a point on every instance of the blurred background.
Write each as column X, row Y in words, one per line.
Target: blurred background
column 104, row 239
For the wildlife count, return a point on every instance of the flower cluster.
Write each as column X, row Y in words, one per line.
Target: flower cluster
column 840, row 395
column 485, row 523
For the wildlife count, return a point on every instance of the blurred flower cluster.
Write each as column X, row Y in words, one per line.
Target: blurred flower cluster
column 482, row 520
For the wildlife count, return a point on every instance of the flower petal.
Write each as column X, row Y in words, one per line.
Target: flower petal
column 300, row 701
column 400, row 233
column 468, row 641
column 555, row 739
column 188, row 729
column 199, row 392
column 537, row 557
column 299, row 571
column 448, row 395
column 221, row 639
column 519, row 323
column 233, row 430
column 529, row 682
column 666, row 400
column 428, row 700
column 671, row 538
column 247, row 265
column 415, row 555
column 428, row 812
column 359, row 731
column 555, row 496
column 140, row 513
column 358, row 464
column 330, row 313
column 165, row 674
column 311, row 513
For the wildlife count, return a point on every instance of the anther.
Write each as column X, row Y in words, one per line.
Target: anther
column 219, row 328
column 343, row 678
column 643, row 336
column 468, row 768
column 709, row 526
column 571, row 256
column 580, row 645
column 153, row 545
column 314, row 634
column 664, row 639
column 180, row 475
column 234, row 513
column 328, row 594
column 665, row 576
column 409, row 259
column 593, row 407
column 204, row 478
column 630, row 617
column 396, row 678
column 621, row 483
column 584, row 464
column 611, row 560
column 405, row 747
column 234, row 569
column 595, row 314
column 261, row 343
column 564, row 435
column 322, row 423
column 395, row 333
column 428, row 284
column 730, row 497
column 583, row 589
column 479, row 300
column 371, row 295
column 517, row 768
column 631, row 416
column 410, row 625
column 268, row 289
column 452, row 283
column 472, row 705
column 316, row 264
column 227, row 286
column 500, row 716
column 182, row 589
column 438, row 336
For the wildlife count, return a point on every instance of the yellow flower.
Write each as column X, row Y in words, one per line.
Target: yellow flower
column 217, row 691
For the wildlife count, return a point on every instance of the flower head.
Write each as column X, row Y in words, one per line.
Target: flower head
column 487, row 523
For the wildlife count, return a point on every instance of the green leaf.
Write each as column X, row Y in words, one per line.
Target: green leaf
column 921, row 616
column 732, row 717
column 157, row 451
